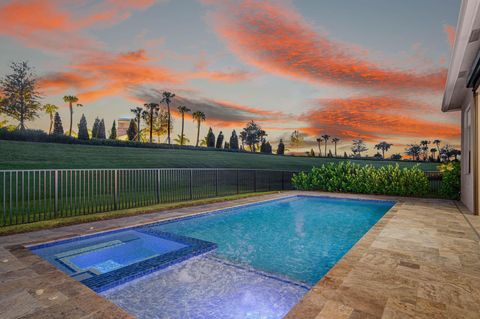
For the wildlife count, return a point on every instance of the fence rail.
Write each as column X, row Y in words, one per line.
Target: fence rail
column 35, row 195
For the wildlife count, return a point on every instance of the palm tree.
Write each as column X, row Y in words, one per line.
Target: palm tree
column 437, row 144
column 182, row 110
column 152, row 110
column 319, row 141
column 384, row 147
column 433, row 151
column 424, row 147
column 138, row 115
column 335, row 140
column 167, row 98
column 50, row 109
column 326, row 138
column 199, row 117
column 70, row 99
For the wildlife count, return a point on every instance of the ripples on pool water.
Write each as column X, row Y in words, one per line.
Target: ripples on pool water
column 298, row 238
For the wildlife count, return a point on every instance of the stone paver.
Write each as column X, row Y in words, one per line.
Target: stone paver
column 422, row 259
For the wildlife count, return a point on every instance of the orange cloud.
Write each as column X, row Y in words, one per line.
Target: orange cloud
column 104, row 74
column 450, row 32
column 376, row 117
column 277, row 39
column 50, row 26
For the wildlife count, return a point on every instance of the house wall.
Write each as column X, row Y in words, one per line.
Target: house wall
column 476, row 153
column 467, row 163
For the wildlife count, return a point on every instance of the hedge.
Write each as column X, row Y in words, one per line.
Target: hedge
column 366, row 179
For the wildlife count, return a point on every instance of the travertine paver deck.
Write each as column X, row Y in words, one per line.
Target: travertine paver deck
column 422, row 259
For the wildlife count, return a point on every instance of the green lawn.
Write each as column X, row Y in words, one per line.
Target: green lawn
column 27, row 155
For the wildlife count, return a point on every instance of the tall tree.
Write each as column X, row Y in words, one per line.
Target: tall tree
column 132, row 130
column 319, row 142
column 198, row 117
column 433, row 151
column 437, row 144
column 281, row 148
column 182, row 110
column 358, row 147
column 50, row 109
column 20, row 96
column 252, row 135
column 152, row 111
column 160, row 123
column 219, row 140
column 95, row 127
column 57, row 125
column 71, row 99
column 83, row 129
column 234, row 141
column 296, row 139
column 414, row 151
column 326, row 137
column 384, row 147
column 113, row 131
column 138, row 113
column 210, row 138
column 335, row 140
column 101, row 130
column 167, row 99
column 424, row 145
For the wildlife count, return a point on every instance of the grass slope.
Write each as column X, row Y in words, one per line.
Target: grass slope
column 27, row 155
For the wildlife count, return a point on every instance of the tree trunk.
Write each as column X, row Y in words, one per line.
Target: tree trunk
column 151, row 125
column 319, row 149
column 198, row 133
column 71, row 118
column 138, row 128
column 383, row 153
column 168, row 124
column 325, row 148
column 335, row 149
column 51, row 124
column 183, row 121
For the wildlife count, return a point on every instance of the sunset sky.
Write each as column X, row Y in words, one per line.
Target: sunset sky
column 369, row 69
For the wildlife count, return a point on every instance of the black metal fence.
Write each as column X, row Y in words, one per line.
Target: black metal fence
column 34, row 195
column 435, row 181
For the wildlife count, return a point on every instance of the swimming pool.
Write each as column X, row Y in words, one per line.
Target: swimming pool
column 253, row 261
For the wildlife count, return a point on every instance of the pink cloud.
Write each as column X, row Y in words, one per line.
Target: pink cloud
column 277, row 39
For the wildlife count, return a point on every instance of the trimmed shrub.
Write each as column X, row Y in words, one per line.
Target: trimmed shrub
column 354, row 178
column 451, row 180
column 210, row 138
column 57, row 125
column 82, row 129
column 219, row 140
column 281, row 148
column 113, row 132
column 234, row 141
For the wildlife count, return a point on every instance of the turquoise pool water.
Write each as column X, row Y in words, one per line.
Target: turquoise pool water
column 300, row 237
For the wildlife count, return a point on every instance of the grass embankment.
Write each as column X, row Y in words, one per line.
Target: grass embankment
column 28, row 155
column 15, row 229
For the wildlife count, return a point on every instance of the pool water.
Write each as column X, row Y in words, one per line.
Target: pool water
column 253, row 261
column 300, row 237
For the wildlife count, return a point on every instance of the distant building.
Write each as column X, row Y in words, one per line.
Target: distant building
column 461, row 94
column 122, row 126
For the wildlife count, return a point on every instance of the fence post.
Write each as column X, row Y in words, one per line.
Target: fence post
column 158, row 186
column 115, row 189
column 191, row 184
column 254, row 181
column 238, row 189
column 216, row 182
column 283, row 180
column 56, row 193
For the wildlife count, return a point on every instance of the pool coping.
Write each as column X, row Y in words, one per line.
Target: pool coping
column 17, row 245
